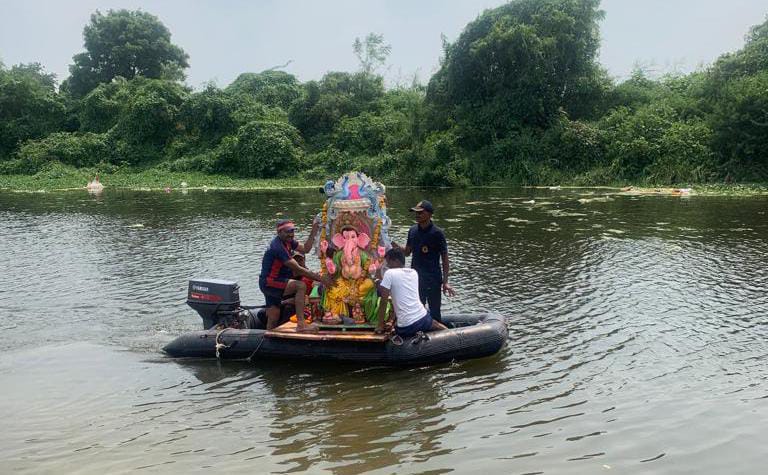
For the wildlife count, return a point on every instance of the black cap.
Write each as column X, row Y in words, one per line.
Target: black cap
column 423, row 205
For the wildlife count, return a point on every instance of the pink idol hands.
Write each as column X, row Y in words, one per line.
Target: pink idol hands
column 330, row 265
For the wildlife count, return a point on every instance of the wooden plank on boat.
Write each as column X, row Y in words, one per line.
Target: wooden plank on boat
column 357, row 333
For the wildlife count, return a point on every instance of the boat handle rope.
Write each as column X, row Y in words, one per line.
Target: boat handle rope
column 219, row 345
column 250, row 358
column 396, row 339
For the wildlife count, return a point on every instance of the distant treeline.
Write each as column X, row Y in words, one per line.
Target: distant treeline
column 519, row 98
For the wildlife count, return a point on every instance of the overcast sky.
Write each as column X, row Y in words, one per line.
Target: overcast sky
column 227, row 37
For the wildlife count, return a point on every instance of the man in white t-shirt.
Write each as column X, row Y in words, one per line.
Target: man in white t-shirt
column 403, row 285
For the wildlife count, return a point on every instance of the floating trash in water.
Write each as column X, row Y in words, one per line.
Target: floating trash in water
column 602, row 199
column 529, row 202
column 558, row 213
column 518, row 220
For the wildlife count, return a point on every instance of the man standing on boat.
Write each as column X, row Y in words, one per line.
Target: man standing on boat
column 427, row 243
column 277, row 269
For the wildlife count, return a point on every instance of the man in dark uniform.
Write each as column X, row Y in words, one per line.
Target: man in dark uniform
column 277, row 269
column 427, row 243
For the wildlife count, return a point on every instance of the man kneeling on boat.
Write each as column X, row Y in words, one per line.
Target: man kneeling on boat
column 402, row 284
column 277, row 269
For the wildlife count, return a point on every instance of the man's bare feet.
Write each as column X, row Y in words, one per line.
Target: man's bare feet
column 307, row 328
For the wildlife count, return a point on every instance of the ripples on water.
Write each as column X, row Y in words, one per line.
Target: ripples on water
column 637, row 340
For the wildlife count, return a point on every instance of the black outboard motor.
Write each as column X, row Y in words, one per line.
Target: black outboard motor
column 217, row 301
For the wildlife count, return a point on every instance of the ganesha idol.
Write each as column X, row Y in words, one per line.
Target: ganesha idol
column 354, row 217
column 353, row 293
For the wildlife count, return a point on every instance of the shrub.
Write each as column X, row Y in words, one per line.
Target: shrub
column 262, row 150
column 685, row 155
column 78, row 150
column 203, row 162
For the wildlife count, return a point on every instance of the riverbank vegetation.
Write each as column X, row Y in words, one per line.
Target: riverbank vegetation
column 519, row 98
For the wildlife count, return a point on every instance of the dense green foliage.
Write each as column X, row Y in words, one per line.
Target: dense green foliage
column 519, row 98
column 29, row 106
column 126, row 44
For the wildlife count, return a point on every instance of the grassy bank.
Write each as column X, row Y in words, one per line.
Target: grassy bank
column 73, row 179
column 67, row 178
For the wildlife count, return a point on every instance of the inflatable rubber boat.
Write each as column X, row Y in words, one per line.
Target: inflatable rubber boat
column 237, row 333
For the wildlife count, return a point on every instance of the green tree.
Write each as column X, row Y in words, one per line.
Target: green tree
column 334, row 97
column 29, row 106
column 127, row 44
column 517, row 66
column 273, row 88
column 657, row 145
column 148, row 121
column 371, row 52
column 208, row 115
column 100, row 110
column 735, row 94
column 262, row 150
column 740, row 124
column 750, row 60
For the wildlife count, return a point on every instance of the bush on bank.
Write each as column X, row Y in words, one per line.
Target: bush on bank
column 519, row 98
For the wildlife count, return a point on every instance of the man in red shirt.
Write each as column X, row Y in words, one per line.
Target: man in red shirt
column 277, row 269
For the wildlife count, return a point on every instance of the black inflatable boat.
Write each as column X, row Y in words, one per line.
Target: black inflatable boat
column 468, row 336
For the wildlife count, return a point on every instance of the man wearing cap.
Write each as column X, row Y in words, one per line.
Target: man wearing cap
column 427, row 243
column 277, row 269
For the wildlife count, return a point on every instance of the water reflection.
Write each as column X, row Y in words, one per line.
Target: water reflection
column 354, row 420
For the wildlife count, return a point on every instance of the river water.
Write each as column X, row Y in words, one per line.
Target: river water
column 638, row 340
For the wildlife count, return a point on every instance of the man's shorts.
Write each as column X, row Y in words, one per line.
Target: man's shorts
column 424, row 324
column 272, row 296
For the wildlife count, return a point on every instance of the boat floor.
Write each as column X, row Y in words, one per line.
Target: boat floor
column 357, row 333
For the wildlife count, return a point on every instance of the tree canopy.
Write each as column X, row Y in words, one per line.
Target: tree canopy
column 274, row 88
column 518, row 65
column 29, row 106
column 127, row 44
column 371, row 52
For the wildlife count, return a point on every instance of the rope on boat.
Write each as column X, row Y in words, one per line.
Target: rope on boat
column 250, row 358
column 396, row 339
column 219, row 345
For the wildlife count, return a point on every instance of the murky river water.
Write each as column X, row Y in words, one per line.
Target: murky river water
column 638, row 340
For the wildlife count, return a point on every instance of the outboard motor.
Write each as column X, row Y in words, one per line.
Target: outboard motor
column 217, row 301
